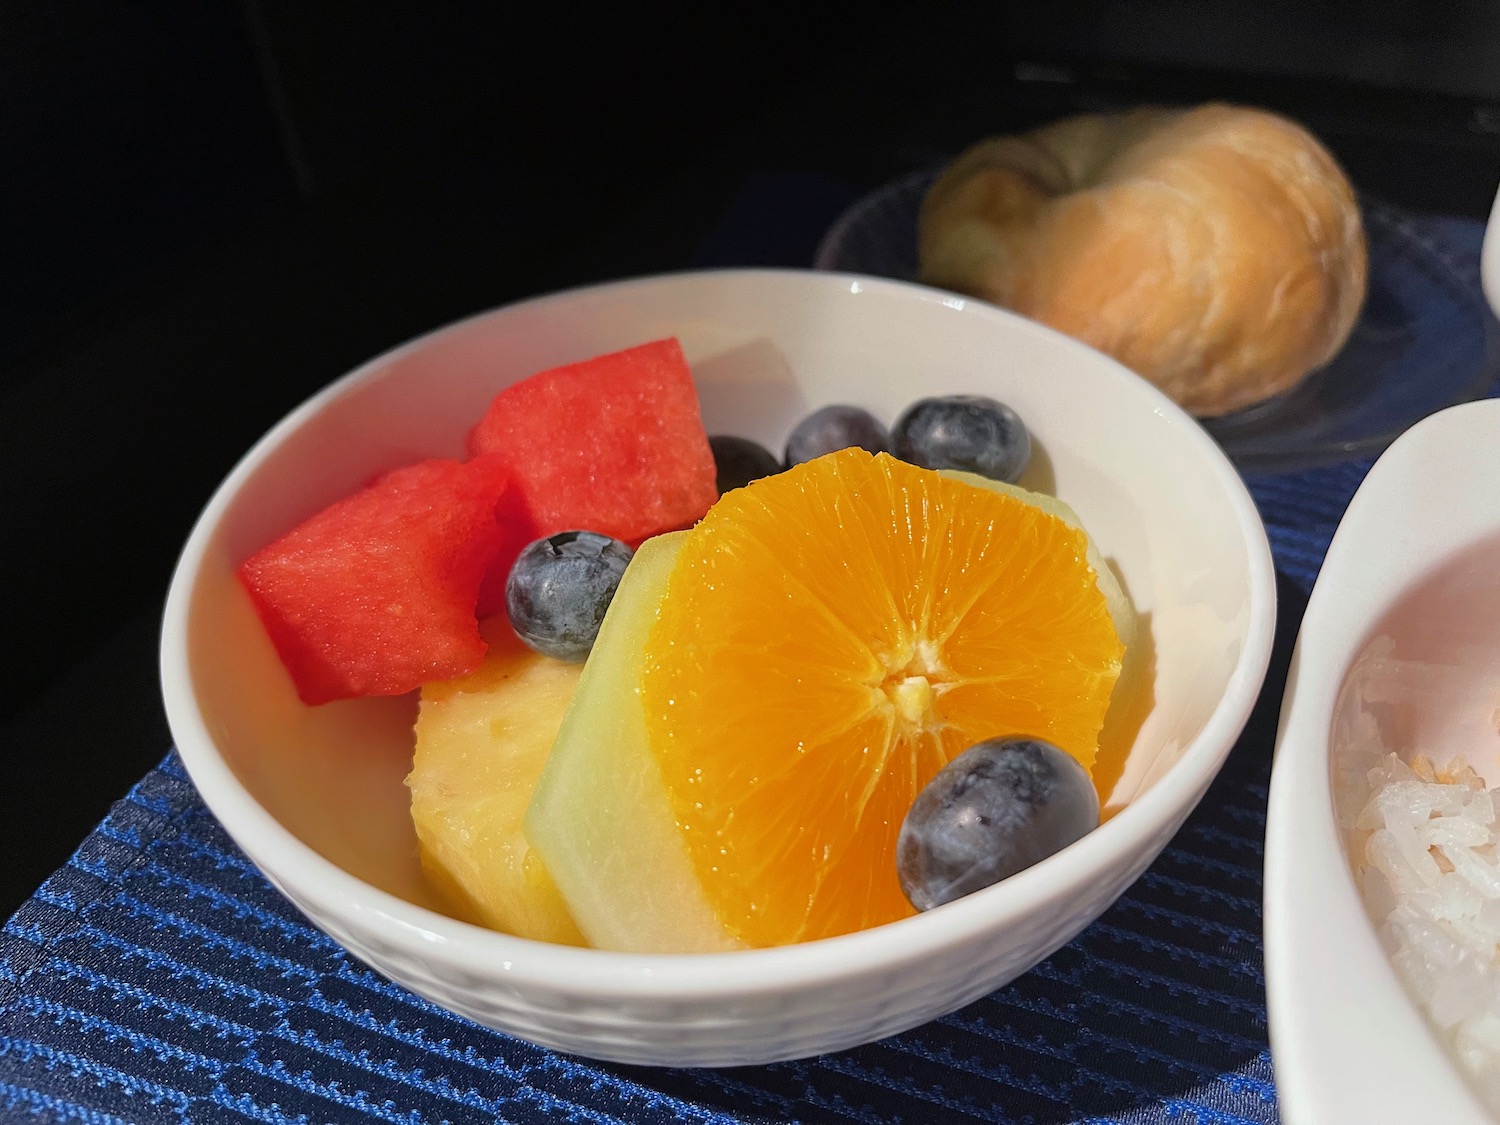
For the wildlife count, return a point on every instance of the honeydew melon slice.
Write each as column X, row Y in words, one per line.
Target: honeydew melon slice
column 600, row 816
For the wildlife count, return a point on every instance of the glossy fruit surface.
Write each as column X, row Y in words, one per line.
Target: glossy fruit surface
column 600, row 818
column 971, row 433
column 481, row 743
column 376, row 593
column 614, row 443
column 998, row 808
column 560, row 588
column 738, row 461
column 833, row 428
column 829, row 639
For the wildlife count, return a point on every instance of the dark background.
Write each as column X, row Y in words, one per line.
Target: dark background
column 209, row 209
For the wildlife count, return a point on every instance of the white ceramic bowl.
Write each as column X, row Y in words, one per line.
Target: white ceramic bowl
column 1408, row 567
column 315, row 796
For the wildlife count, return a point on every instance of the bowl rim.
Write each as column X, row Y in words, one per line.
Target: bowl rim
column 1134, row 831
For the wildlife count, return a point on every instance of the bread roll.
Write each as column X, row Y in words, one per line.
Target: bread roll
column 1217, row 251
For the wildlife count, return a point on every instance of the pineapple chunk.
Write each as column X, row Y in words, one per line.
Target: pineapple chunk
column 481, row 743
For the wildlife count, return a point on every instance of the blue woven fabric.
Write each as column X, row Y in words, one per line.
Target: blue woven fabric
column 158, row 978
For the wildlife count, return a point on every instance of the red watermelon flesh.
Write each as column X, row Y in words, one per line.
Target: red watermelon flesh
column 375, row 595
column 614, row 444
column 516, row 533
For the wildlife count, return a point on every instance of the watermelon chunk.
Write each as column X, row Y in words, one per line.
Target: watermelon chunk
column 375, row 595
column 517, row 532
column 614, row 444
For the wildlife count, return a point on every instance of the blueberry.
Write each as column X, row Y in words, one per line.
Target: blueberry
column 739, row 461
column 969, row 432
column 834, row 428
column 560, row 587
column 999, row 807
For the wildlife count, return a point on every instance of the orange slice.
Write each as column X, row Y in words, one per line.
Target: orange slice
column 828, row 639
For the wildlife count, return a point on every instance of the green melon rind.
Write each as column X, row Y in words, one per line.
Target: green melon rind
column 599, row 817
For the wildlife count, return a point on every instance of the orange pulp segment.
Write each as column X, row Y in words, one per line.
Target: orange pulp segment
column 830, row 637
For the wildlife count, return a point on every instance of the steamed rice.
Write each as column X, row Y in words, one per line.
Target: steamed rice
column 1432, row 883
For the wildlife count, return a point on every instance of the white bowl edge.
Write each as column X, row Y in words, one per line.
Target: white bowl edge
column 420, row 932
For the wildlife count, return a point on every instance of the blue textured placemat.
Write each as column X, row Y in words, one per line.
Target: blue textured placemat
column 158, row 978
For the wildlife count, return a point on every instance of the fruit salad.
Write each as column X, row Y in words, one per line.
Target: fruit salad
column 679, row 693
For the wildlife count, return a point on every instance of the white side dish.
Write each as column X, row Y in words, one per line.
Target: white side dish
column 1399, row 652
